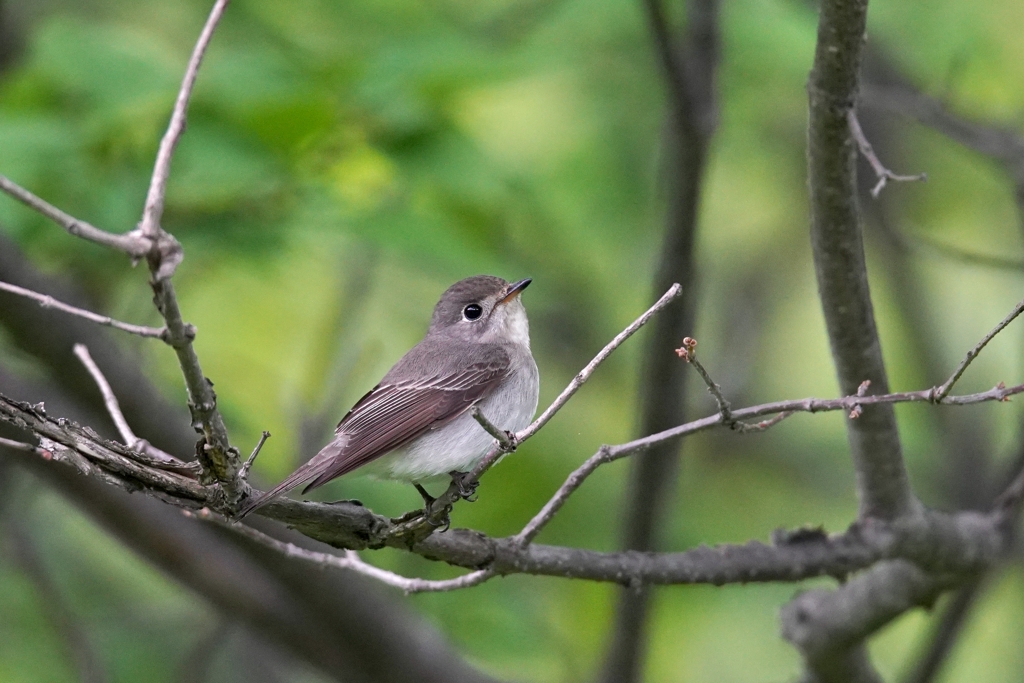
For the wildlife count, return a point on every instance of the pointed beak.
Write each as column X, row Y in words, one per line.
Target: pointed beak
column 514, row 290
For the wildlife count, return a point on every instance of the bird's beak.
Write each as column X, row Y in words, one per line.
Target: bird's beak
column 514, row 290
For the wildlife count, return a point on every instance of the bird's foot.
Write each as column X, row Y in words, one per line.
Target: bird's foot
column 466, row 489
column 513, row 442
column 433, row 512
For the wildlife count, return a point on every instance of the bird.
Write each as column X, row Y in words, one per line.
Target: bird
column 416, row 425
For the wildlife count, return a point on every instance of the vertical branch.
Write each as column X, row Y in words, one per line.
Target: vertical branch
column 689, row 76
column 837, row 244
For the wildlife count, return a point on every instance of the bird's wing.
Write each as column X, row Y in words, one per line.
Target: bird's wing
column 391, row 415
column 397, row 411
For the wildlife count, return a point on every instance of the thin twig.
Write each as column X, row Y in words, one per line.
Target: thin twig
column 47, row 301
column 19, row 445
column 133, row 243
column 506, row 440
column 688, row 352
column 244, row 472
column 884, row 174
column 154, row 207
column 114, row 408
column 351, row 560
column 942, row 391
column 578, row 381
column 781, row 410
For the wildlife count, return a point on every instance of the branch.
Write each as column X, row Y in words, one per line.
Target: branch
column 133, row 243
column 828, row 626
column 47, row 301
column 884, row 174
column 945, row 634
column 349, row 526
column 244, row 472
column 942, row 391
column 20, row 446
column 154, row 208
column 219, row 459
column 1003, row 145
column 506, row 440
column 114, row 408
column 349, row 562
column 837, row 244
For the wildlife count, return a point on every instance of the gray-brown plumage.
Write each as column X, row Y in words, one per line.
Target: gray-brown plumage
column 415, row 424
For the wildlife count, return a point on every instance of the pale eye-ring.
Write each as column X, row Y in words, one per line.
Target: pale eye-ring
column 472, row 312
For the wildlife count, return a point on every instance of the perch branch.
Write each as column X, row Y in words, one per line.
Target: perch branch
column 957, row 542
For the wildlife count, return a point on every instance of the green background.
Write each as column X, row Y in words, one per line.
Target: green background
column 345, row 162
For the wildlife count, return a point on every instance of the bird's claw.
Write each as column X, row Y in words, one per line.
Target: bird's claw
column 466, row 489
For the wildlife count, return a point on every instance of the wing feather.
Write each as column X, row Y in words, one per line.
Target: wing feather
column 393, row 414
column 398, row 410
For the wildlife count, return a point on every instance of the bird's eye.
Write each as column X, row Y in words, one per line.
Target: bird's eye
column 472, row 312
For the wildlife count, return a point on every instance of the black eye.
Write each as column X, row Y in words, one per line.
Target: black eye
column 472, row 312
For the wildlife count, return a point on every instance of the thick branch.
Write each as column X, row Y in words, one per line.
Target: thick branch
column 828, row 626
column 837, row 243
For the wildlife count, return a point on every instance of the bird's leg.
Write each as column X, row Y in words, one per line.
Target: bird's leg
column 467, row 489
column 428, row 499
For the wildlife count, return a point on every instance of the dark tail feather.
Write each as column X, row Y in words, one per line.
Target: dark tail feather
column 312, row 469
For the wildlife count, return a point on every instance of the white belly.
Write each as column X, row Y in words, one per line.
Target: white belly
column 460, row 444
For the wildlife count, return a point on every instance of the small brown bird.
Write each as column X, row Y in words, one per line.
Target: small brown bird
column 415, row 425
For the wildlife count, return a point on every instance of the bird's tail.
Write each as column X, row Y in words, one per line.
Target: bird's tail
column 312, row 469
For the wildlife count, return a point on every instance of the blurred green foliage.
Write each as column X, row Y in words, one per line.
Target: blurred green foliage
column 344, row 162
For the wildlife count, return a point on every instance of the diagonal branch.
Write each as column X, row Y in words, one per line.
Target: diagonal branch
column 883, row 173
column 114, row 409
column 942, row 391
column 154, row 208
column 47, row 301
column 133, row 243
